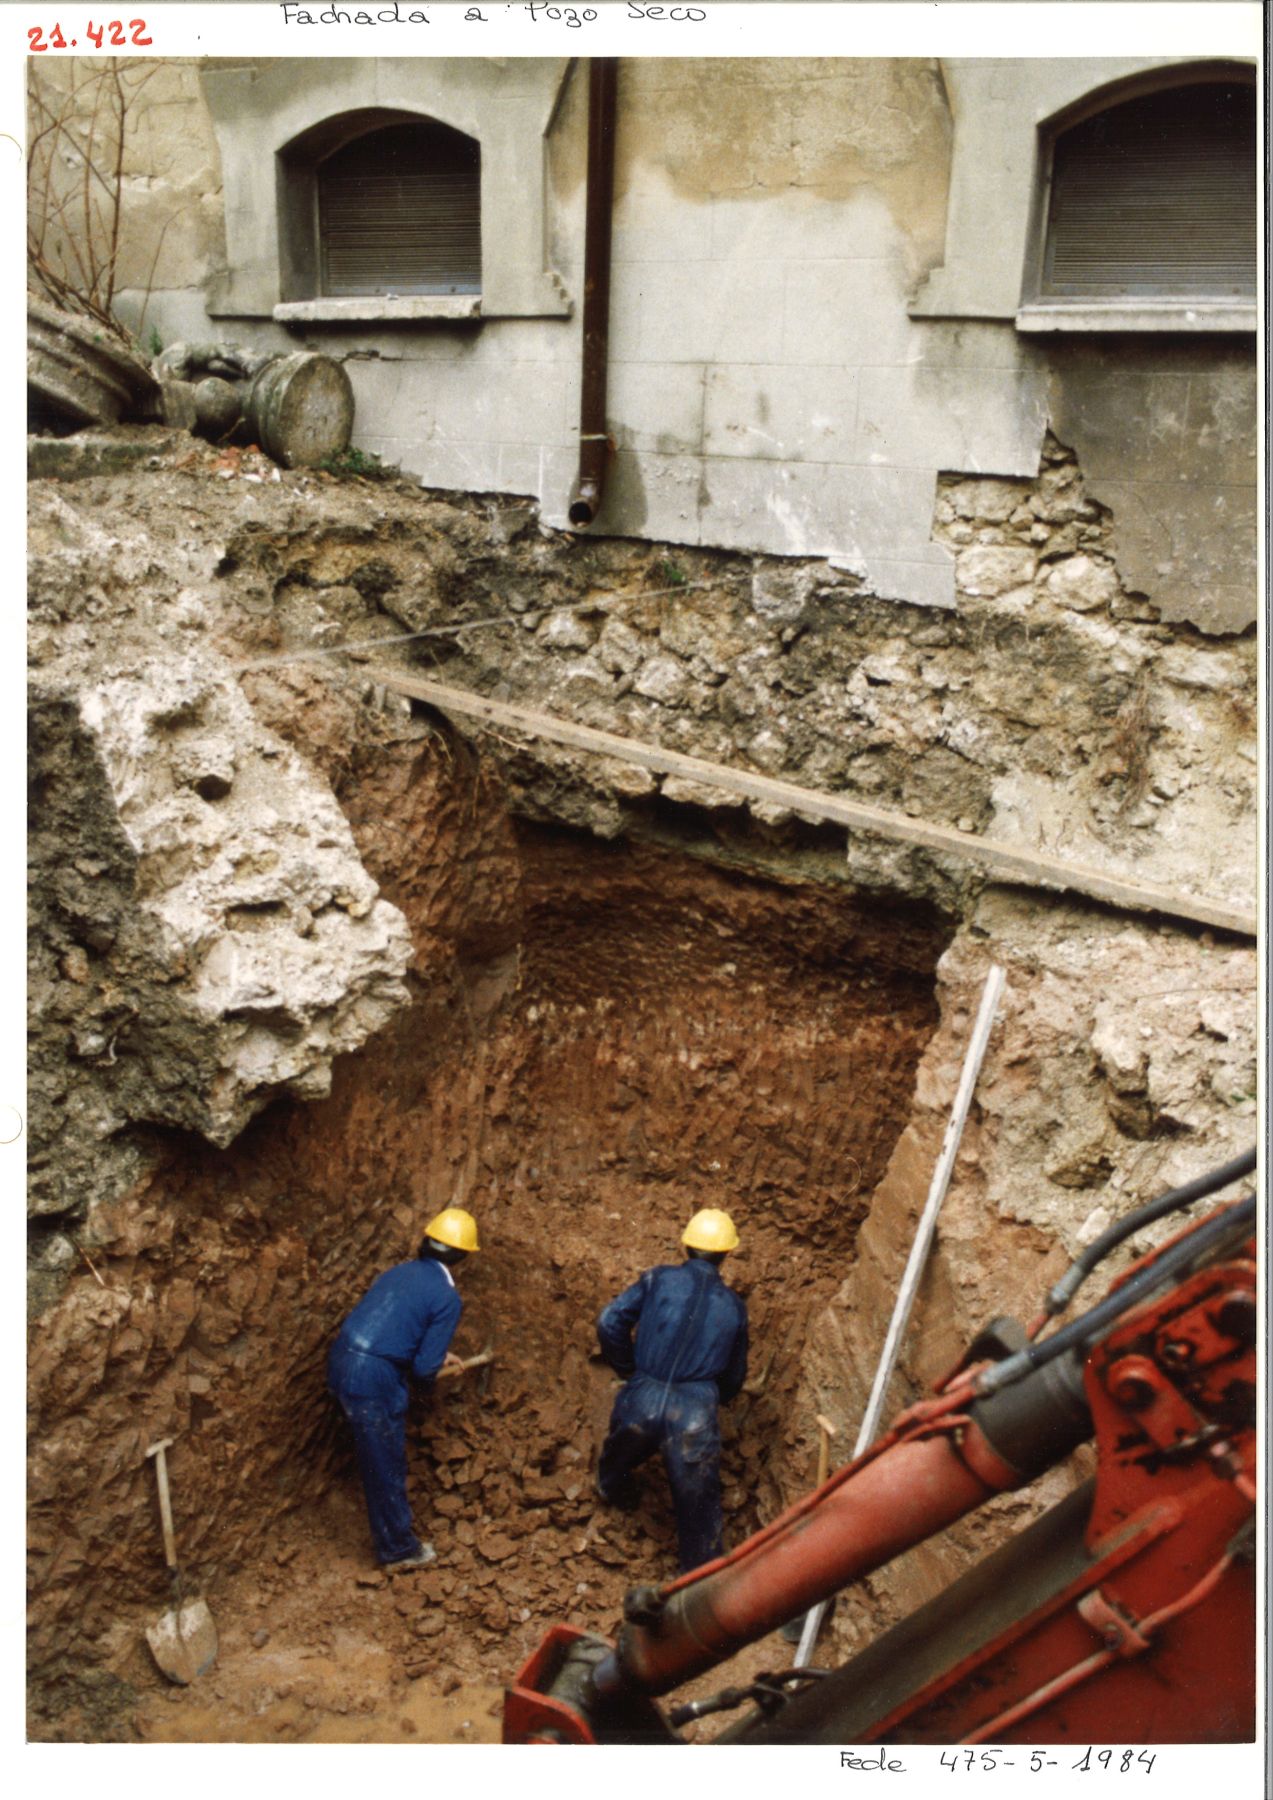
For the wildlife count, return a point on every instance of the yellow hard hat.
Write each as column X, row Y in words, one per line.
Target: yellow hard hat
column 710, row 1230
column 456, row 1227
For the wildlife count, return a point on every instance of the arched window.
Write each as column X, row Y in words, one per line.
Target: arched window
column 1155, row 198
column 399, row 212
column 435, row 202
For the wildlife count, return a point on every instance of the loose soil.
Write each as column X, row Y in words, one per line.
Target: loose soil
column 318, row 1646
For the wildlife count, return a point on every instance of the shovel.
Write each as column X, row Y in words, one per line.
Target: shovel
column 183, row 1640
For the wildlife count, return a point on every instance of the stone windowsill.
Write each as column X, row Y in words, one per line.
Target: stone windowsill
column 1137, row 315
column 380, row 309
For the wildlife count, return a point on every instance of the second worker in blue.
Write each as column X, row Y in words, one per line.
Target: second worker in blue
column 690, row 1353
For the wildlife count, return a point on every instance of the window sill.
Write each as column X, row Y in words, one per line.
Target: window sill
column 1138, row 315
column 380, row 309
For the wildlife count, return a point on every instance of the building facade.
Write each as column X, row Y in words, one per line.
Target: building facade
column 832, row 280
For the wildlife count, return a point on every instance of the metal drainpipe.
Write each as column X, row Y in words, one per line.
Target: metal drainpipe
column 594, row 445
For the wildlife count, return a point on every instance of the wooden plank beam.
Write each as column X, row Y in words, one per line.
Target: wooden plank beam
column 999, row 860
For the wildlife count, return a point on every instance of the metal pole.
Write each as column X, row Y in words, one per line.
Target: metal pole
column 594, row 445
column 919, row 1252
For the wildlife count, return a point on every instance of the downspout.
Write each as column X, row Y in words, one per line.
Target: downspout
column 594, row 445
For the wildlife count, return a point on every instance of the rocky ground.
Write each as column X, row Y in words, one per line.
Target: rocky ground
column 319, row 1646
column 596, row 1045
column 1050, row 710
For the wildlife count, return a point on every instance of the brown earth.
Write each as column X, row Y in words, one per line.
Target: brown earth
column 318, row 1646
column 604, row 1037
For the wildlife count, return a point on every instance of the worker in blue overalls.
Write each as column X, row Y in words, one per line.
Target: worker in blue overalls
column 401, row 1327
column 690, row 1354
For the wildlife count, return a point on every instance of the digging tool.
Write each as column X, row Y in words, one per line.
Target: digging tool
column 183, row 1640
column 758, row 1383
column 794, row 1628
column 826, row 1431
column 752, row 1390
column 479, row 1361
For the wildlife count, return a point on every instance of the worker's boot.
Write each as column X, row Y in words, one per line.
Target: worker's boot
column 626, row 1497
column 422, row 1558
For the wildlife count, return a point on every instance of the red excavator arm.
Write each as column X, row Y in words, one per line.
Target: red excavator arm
column 1125, row 1613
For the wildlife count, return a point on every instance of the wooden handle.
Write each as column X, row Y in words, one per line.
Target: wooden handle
column 472, row 1362
column 165, row 1502
column 826, row 1431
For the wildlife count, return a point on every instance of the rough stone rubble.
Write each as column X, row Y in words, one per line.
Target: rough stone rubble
column 1052, row 710
column 213, row 939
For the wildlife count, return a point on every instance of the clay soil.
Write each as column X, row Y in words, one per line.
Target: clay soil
column 670, row 1035
column 603, row 1036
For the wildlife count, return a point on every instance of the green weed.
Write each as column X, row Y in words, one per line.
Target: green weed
column 363, row 463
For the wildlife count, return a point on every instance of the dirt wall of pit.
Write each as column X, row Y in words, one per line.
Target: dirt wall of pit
column 1122, row 1063
column 600, row 1041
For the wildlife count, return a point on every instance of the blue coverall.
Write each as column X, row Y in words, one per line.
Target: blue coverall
column 401, row 1326
column 690, row 1354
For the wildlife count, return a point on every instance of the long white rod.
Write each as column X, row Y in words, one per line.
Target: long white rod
column 919, row 1252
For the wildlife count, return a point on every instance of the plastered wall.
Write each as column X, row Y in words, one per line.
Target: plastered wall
column 785, row 374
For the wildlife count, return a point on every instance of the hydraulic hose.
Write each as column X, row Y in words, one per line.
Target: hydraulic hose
column 1234, row 1222
column 890, row 1504
column 1060, row 1296
column 898, row 1493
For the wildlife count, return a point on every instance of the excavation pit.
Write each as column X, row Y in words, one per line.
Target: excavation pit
column 604, row 1037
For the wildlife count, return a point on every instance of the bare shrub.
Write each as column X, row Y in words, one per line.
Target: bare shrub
column 79, row 122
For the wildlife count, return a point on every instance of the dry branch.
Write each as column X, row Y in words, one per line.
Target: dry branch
column 75, row 184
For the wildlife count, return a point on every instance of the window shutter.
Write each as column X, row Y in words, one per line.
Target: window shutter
column 1156, row 197
column 399, row 213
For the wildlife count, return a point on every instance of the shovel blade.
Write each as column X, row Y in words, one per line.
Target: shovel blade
column 183, row 1641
